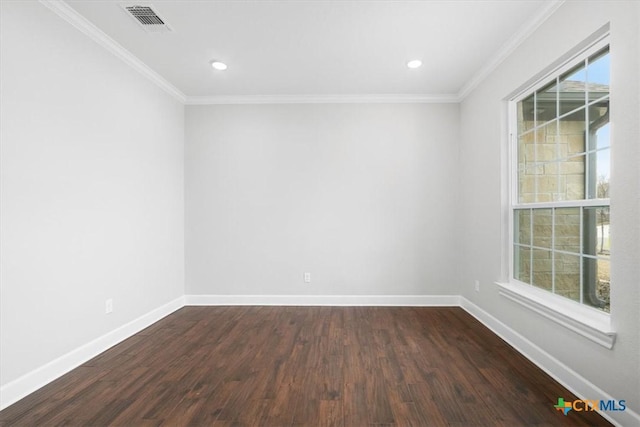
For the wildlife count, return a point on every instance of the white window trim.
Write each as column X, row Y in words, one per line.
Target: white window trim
column 586, row 321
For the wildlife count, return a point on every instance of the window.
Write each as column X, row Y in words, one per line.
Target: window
column 560, row 210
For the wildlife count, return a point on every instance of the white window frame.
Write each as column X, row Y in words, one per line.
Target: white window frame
column 589, row 322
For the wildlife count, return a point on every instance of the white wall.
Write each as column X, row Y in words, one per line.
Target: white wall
column 483, row 136
column 91, row 193
column 371, row 199
column 361, row 196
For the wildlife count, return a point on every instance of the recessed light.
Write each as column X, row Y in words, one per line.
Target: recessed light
column 416, row 63
column 217, row 65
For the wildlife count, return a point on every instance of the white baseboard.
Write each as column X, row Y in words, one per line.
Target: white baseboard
column 560, row 372
column 578, row 385
column 332, row 300
column 28, row 383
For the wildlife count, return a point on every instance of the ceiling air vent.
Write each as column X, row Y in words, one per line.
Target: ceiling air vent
column 147, row 18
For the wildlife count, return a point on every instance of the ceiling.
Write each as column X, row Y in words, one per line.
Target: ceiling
column 324, row 48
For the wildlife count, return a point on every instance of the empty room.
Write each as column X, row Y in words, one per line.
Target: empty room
column 310, row 213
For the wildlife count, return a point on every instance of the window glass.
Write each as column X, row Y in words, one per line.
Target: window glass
column 561, row 214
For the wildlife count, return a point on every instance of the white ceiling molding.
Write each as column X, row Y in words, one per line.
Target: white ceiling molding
column 509, row 47
column 324, row 99
column 67, row 13
column 62, row 9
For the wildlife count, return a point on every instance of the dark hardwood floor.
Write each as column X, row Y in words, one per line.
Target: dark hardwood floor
column 312, row 366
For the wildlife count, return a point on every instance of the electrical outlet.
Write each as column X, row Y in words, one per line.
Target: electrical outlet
column 477, row 286
column 108, row 306
column 307, row 277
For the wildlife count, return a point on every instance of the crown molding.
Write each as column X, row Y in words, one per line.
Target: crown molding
column 69, row 14
column 509, row 47
column 324, row 99
column 66, row 12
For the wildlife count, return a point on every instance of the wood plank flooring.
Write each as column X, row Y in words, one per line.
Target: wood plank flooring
column 304, row 366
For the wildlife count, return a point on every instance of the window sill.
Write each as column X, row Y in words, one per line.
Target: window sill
column 586, row 321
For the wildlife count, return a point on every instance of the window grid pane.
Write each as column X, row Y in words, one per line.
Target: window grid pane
column 562, row 153
column 565, row 251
